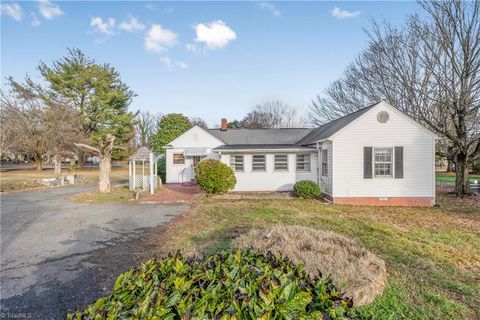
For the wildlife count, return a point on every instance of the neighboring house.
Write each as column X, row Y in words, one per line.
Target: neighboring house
column 374, row 156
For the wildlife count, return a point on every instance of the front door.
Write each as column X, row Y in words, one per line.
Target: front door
column 194, row 160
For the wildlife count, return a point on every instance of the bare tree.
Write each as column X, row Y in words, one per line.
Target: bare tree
column 272, row 114
column 145, row 126
column 429, row 69
column 36, row 125
column 196, row 121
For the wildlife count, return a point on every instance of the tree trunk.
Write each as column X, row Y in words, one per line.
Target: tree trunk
column 105, row 169
column 462, row 185
column 58, row 166
column 449, row 165
column 38, row 165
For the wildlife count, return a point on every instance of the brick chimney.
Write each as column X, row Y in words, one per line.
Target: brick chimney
column 224, row 124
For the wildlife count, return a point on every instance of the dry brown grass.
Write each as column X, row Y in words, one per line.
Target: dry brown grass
column 17, row 180
column 357, row 270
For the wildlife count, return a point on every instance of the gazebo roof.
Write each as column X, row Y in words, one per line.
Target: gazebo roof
column 141, row 154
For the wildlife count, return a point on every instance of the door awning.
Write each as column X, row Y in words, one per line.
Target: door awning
column 190, row 152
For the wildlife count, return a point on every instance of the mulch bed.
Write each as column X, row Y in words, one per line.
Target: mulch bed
column 172, row 194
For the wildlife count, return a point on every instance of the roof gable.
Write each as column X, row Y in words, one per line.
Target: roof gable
column 195, row 136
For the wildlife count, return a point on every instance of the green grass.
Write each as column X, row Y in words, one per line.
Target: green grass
column 450, row 177
column 432, row 254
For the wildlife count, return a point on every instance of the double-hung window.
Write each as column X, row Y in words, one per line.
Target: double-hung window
column 281, row 162
column 258, row 162
column 236, row 163
column 178, row 158
column 383, row 159
column 325, row 163
column 303, row 162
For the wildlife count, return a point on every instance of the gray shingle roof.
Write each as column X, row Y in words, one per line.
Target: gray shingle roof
column 141, row 154
column 330, row 128
column 261, row 146
column 260, row 136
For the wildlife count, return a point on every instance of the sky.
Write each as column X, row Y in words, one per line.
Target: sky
column 210, row 60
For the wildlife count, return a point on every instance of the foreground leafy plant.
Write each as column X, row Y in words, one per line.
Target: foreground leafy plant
column 229, row 285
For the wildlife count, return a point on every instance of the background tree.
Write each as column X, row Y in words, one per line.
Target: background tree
column 429, row 69
column 272, row 114
column 196, row 121
column 169, row 128
column 102, row 100
column 36, row 125
column 145, row 125
column 235, row 124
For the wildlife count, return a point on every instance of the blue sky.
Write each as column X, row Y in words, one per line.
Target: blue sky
column 205, row 59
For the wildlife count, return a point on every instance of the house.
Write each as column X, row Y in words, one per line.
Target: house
column 374, row 156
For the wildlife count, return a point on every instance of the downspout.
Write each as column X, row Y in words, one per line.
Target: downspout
column 318, row 164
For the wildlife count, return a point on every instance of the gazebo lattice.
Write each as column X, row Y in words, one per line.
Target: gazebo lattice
column 138, row 179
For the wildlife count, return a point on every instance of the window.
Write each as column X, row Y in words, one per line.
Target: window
column 383, row 162
column 325, row 163
column 196, row 160
column 236, row 163
column 303, row 162
column 258, row 163
column 178, row 158
column 281, row 162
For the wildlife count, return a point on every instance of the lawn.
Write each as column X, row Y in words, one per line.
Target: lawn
column 16, row 180
column 118, row 195
column 432, row 254
column 450, row 177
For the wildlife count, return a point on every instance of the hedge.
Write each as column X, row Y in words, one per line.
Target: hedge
column 306, row 189
column 214, row 177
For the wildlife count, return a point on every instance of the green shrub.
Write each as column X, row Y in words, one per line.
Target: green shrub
column 229, row 285
column 162, row 168
column 306, row 189
column 214, row 177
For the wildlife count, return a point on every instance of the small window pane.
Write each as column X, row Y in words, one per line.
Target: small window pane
column 258, row 163
column 303, row 162
column 324, row 162
column 178, row 158
column 281, row 162
column 383, row 162
column 236, row 163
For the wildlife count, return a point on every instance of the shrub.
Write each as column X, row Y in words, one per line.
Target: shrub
column 162, row 168
column 214, row 177
column 229, row 285
column 306, row 189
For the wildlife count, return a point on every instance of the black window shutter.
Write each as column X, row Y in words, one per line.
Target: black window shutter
column 398, row 162
column 367, row 162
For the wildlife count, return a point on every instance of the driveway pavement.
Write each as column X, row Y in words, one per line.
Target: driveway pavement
column 58, row 256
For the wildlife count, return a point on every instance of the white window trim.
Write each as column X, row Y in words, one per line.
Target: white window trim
column 274, row 162
column 326, row 162
column 309, row 162
column 265, row 163
column 234, row 167
column 178, row 164
column 392, row 163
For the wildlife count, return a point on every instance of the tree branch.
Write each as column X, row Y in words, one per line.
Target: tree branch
column 87, row 147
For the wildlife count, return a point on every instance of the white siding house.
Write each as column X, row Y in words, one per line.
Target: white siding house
column 375, row 156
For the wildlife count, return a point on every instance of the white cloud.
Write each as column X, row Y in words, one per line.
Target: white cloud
column 13, row 10
column 132, row 25
column 157, row 39
column 343, row 14
column 106, row 27
column 269, row 7
column 35, row 21
column 170, row 64
column 215, row 34
column 49, row 10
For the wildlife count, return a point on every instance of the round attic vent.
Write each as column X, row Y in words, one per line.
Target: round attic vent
column 383, row 116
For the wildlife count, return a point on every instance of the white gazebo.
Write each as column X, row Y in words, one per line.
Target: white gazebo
column 142, row 170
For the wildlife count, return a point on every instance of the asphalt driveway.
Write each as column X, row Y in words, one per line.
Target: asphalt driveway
column 58, row 256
